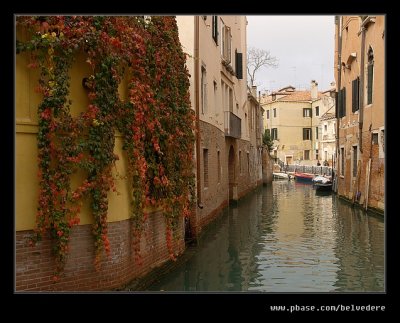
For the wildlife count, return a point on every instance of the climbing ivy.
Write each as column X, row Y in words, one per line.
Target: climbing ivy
column 156, row 123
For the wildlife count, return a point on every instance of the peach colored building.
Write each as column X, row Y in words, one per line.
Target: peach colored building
column 360, row 79
column 228, row 145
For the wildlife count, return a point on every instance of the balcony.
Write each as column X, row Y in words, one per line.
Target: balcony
column 233, row 125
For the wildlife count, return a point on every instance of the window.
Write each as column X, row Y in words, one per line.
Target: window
column 370, row 76
column 205, row 160
column 306, row 155
column 223, row 100
column 226, row 43
column 274, row 133
column 316, row 133
column 307, row 112
column 267, row 114
column 226, row 97
column 221, row 37
column 203, row 90
column 251, row 117
column 354, row 161
column 240, row 162
column 325, row 127
column 306, row 133
column 316, row 111
column 248, row 163
column 219, row 166
column 216, row 109
column 342, row 161
column 341, row 103
column 230, row 100
column 355, row 93
column 316, row 154
column 215, row 29
column 274, row 112
column 375, row 138
column 246, row 124
column 381, row 142
column 239, row 65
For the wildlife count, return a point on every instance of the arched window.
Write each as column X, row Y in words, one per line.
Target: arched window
column 370, row 76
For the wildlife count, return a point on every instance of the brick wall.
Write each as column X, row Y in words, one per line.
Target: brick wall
column 346, row 184
column 216, row 195
column 35, row 265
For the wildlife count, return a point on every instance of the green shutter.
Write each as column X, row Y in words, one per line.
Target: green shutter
column 355, row 94
column 337, row 104
column 215, row 28
column 343, row 102
column 239, row 65
column 370, row 82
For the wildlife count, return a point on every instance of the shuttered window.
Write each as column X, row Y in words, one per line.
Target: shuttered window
column 342, row 103
column 215, row 28
column 306, row 133
column 355, row 94
column 307, row 112
column 239, row 65
column 370, row 82
column 274, row 133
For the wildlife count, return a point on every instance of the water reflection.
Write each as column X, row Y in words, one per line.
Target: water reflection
column 286, row 238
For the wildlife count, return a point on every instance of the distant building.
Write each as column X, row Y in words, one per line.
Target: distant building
column 228, row 144
column 360, row 78
column 327, row 139
column 293, row 120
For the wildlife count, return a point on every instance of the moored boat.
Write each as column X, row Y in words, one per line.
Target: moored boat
column 304, row 177
column 322, row 183
column 279, row 175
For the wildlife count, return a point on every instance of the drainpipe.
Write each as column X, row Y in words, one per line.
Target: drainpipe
column 339, row 82
column 197, row 107
column 361, row 90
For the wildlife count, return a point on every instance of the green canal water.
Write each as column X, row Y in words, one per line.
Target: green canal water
column 285, row 238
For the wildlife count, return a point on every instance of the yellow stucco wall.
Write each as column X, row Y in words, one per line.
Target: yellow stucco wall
column 290, row 123
column 26, row 167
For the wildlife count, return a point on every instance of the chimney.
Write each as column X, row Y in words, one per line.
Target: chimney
column 254, row 91
column 314, row 90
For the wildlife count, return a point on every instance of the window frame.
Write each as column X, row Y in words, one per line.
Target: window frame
column 307, row 113
column 215, row 31
column 307, row 133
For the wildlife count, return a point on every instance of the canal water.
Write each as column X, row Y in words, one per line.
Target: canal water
column 285, row 237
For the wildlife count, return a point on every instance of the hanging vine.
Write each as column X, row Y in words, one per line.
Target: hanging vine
column 156, row 123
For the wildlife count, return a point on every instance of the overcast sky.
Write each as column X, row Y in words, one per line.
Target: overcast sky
column 304, row 46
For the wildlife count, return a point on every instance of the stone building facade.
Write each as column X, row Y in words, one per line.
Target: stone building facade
column 228, row 147
column 360, row 78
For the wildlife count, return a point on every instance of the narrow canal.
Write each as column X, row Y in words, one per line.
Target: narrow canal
column 285, row 238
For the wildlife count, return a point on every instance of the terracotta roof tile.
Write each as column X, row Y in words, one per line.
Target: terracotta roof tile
column 290, row 97
column 299, row 96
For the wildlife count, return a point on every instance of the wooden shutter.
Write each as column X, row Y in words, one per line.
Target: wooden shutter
column 355, row 94
column 215, row 28
column 344, row 101
column 370, row 82
column 239, row 65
